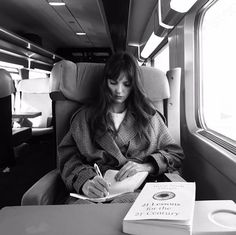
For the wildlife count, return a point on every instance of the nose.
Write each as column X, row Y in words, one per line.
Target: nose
column 119, row 88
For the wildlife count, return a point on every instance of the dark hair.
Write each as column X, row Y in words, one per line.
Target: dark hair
column 121, row 62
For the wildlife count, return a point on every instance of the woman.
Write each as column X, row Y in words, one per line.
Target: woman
column 121, row 130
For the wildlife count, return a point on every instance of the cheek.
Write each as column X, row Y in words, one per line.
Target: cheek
column 127, row 91
column 110, row 88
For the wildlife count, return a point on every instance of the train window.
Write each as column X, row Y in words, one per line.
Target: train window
column 217, row 65
column 13, row 69
column 161, row 60
column 38, row 74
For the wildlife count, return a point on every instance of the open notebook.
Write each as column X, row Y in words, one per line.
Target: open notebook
column 117, row 188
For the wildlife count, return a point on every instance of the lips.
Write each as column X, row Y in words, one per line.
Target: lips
column 118, row 97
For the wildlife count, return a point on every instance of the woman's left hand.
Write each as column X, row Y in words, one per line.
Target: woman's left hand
column 131, row 168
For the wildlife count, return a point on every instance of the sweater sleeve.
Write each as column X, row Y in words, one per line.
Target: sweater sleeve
column 74, row 167
column 168, row 155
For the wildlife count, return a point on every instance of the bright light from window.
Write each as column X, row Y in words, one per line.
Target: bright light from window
column 37, row 74
column 10, row 65
column 161, row 60
column 16, row 77
column 218, row 68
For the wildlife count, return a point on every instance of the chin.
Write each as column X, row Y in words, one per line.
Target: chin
column 119, row 101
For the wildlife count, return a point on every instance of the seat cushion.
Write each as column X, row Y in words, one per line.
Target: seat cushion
column 21, row 135
column 37, row 131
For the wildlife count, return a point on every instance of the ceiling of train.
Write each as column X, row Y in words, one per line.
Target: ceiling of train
column 108, row 24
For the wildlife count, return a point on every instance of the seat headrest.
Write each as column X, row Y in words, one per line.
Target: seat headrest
column 6, row 84
column 36, row 85
column 155, row 84
column 78, row 82
column 62, row 70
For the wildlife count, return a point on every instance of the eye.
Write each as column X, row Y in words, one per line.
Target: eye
column 112, row 82
column 127, row 84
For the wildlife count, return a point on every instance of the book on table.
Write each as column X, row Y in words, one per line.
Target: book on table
column 162, row 208
column 117, row 188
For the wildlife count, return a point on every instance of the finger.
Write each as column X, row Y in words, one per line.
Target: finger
column 96, row 191
column 87, row 189
column 93, row 192
column 121, row 174
column 131, row 171
column 101, row 185
column 123, row 171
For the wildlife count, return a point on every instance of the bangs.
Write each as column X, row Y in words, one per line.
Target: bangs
column 119, row 69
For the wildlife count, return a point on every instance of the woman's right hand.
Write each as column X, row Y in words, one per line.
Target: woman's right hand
column 96, row 187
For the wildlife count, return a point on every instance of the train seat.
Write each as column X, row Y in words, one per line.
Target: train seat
column 20, row 135
column 9, row 137
column 156, row 87
column 72, row 85
column 34, row 96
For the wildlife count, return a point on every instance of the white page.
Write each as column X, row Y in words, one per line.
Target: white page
column 130, row 184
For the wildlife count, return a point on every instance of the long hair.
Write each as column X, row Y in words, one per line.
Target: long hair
column 121, row 62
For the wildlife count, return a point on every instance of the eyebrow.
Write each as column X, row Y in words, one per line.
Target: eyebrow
column 127, row 80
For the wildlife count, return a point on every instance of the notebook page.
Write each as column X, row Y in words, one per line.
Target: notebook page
column 129, row 184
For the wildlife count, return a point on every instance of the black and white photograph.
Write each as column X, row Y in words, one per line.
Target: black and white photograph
column 117, row 117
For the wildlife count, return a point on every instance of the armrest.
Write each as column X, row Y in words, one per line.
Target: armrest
column 174, row 177
column 49, row 121
column 50, row 189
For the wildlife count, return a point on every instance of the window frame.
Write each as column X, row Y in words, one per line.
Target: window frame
column 192, row 140
column 218, row 138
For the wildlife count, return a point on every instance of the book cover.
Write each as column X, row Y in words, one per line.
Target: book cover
column 129, row 184
column 168, row 206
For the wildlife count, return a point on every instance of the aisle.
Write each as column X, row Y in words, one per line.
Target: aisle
column 33, row 161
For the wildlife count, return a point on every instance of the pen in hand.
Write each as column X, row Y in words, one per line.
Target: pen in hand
column 98, row 172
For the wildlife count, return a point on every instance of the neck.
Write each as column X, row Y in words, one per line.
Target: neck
column 118, row 108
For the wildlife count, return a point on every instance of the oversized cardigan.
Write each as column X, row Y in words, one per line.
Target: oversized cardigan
column 77, row 152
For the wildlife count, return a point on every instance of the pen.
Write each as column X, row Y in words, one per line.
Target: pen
column 97, row 170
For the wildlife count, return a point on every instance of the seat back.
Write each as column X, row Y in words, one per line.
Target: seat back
column 6, row 146
column 71, row 86
column 156, row 87
column 34, row 96
column 75, row 84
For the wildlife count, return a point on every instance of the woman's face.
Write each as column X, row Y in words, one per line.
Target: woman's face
column 120, row 88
